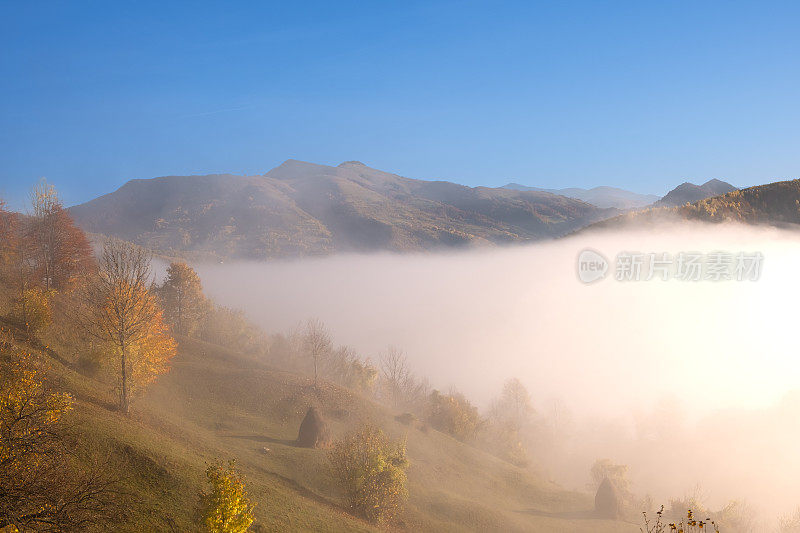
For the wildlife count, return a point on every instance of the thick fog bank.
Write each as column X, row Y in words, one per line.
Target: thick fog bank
column 684, row 381
column 473, row 319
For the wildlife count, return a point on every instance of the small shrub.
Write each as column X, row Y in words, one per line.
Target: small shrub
column 406, row 418
column 453, row 414
column 32, row 310
column 226, row 508
column 371, row 471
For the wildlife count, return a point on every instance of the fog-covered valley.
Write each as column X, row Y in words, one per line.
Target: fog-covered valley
column 689, row 383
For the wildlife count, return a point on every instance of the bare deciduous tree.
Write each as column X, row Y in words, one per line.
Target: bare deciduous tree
column 317, row 342
column 395, row 373
column 402, row 385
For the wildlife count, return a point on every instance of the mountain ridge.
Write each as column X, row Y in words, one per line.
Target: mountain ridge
column 602, row 196
column 300, row 208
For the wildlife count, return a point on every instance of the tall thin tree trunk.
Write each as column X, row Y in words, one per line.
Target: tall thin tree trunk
column 180, row 315
column 123, row 401
column 315, row 371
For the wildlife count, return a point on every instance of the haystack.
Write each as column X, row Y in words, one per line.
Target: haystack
column 314, row 432
column 607, row 500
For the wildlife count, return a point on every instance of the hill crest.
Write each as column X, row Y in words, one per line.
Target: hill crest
column 300, row 208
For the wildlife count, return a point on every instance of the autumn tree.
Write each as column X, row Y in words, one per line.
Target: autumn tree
column 124, row 314
column 515, row 403
column 508, row 417
column 8, row 224
column 317, row 343
column 183, row 299
column 41, row 253
column 42, row 486
column 226, row 508
column 230, row 327
column 17, row 265
column 59, row 249
column 9, row 242
column 371, row 471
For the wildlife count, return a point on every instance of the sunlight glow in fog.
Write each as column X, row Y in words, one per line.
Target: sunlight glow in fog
column 473, row 319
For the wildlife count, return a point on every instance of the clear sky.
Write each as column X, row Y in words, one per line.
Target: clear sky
column 641, row 94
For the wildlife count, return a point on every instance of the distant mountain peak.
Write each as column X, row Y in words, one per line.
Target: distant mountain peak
column 688, row 192
column 352, row 164
column 294, row 168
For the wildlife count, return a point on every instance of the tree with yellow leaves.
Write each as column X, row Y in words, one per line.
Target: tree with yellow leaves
column 226, row 508
column 183, row 298
column 41, row 488
column 31, row 310
column 124, row 314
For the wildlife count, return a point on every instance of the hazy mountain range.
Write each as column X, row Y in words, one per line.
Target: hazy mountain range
column 622, row 199
column 302, row 208
column 598, row 196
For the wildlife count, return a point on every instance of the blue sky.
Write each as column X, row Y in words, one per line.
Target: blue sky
column 641, row 95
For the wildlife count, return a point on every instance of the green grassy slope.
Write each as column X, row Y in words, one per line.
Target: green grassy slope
column 218, row 404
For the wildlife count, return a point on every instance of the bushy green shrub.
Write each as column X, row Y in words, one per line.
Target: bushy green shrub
column 453, row 414
column 371, row 470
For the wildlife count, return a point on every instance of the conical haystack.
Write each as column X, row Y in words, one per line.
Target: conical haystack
column 314, row 432
column 607, row 500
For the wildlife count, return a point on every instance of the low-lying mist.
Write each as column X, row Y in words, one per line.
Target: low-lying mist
column 688, row 383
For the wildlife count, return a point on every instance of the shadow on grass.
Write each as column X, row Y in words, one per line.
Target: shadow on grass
column 263, row 438
column 576, row 515
column 108, row 405
column 569, row 515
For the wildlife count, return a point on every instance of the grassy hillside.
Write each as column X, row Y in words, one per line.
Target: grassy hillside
column 219, row 404
column 301, row 208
